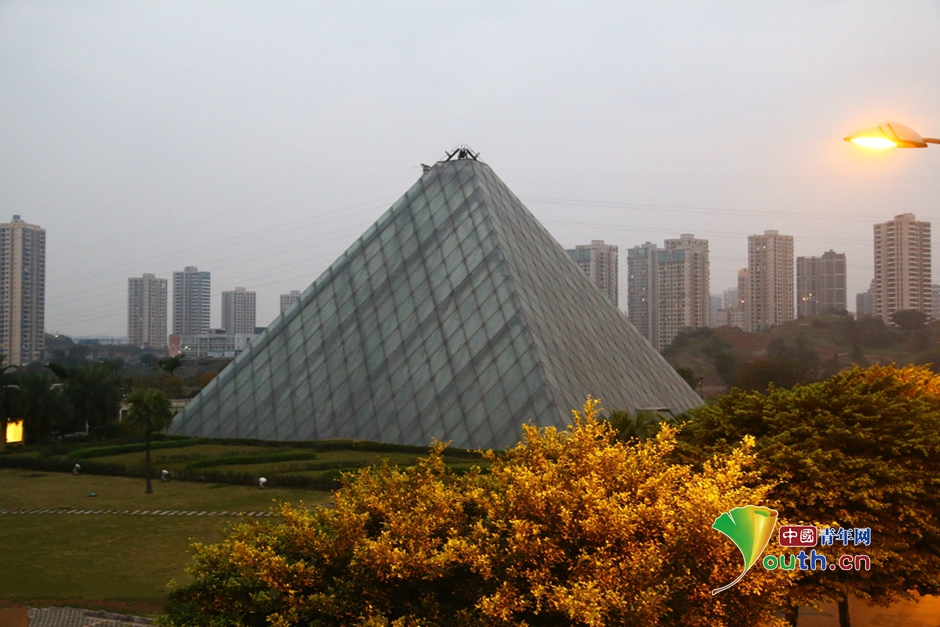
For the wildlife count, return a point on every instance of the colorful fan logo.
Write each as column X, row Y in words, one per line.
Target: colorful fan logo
column 750, row 528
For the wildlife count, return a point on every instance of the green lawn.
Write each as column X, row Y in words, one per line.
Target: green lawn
column 111, row 560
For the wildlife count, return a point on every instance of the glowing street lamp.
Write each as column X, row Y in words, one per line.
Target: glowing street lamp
column 891, row 135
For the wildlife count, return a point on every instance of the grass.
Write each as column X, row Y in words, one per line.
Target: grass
column 123, row 562
column 110, row 561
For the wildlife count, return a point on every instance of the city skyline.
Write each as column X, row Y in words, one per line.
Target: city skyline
column 622, row 123
column 824, row 279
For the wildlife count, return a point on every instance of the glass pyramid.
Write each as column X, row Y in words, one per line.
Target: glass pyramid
column 455, row 316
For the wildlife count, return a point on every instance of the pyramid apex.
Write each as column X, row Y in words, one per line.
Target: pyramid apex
column 462, row 151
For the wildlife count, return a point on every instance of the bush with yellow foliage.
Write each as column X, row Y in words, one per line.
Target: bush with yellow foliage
column 567, row 528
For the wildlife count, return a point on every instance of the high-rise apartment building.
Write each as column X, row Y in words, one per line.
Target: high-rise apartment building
column 902, row 267
column 716, row 306
column 599, row 261
column 730, row 299
column 684, row 297
column 743, row 286
column 146, row 311
column 668, row 288
column 22, row 292
column 770, row 280
column 238, row 311
column 191, row 301
column 731, row 313
column 865, row 302
column 820, row 284
column 289, row 299
column 642, row 295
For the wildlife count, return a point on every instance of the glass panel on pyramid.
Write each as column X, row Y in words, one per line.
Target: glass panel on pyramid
column 456, row 316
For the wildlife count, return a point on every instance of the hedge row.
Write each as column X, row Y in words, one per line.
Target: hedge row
column 256, row 458
column 137, row 447
column 346, row 445
column 328, row 481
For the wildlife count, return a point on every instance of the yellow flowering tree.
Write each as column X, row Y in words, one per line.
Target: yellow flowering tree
column 567, row 528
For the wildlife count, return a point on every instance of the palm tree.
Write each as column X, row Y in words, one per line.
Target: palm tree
column 44, row 406
column 149, row 412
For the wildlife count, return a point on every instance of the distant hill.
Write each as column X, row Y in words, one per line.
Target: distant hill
column 803, row 350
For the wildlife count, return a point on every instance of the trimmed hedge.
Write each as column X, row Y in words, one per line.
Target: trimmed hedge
column 137, row 447
column 252, row 458
column 330, row 480
column 347, row 445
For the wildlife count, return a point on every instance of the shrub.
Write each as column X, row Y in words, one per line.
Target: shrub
column 137, row 447
column 568, row 528
column 244, row 460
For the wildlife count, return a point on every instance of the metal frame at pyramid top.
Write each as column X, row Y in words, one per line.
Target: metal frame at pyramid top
column 457, row 317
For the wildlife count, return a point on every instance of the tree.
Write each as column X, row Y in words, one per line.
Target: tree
column 95, row 395
column 787, row 363
column 149, row 360
column 641, row 426
column 567, row 528
column 909, row 319
column 860, row 449
column 688, row 375
column 871, row 332
column 44, row 406
column 170, row 364
column 150, row 412
column 709, row 345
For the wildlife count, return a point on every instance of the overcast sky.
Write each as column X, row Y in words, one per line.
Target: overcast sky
column 258, row 140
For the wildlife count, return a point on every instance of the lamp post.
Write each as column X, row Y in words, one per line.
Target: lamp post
column 891, row 135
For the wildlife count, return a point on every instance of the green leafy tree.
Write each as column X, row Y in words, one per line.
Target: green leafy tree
column 870, row 332
column 149, row 413
column 44, row 406
column 787, row 363
column 860, row 449
column 567, row 528
column 710, row 346
column 688, row 375
column 640, row 426
column 909, row 319
column 95, row 394
column 171, row 364
column 857, row 355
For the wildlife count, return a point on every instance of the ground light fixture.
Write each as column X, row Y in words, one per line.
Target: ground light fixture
column 890, row 135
